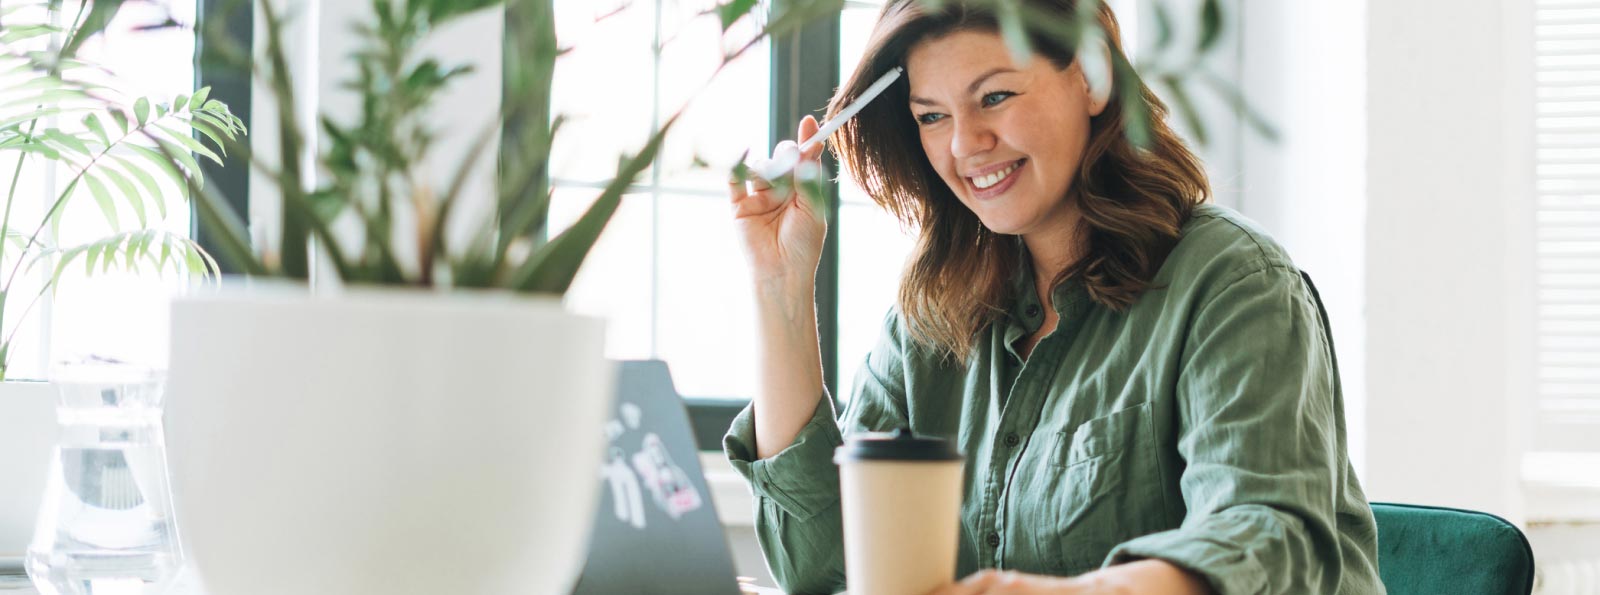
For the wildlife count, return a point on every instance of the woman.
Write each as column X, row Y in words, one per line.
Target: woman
column 1143, row 384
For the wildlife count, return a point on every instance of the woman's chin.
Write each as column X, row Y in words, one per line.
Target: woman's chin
column 1009, row 228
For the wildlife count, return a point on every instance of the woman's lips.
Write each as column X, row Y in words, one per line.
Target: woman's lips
column 997, row 189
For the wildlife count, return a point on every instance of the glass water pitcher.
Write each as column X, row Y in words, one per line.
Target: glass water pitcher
column 106, row 524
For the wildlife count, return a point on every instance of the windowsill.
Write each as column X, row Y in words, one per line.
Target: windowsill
column 729, row 492
column 1561, row 487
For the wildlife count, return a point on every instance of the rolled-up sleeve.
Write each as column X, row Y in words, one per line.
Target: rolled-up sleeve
column 797, row 516
column 1259, row 441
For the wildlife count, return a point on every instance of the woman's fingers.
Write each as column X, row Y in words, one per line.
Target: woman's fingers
column 808, row 127
column 976, row 583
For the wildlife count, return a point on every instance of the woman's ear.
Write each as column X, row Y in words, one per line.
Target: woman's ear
column 1094, row 65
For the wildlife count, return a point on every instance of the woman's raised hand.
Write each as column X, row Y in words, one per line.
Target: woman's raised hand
column 782, row 235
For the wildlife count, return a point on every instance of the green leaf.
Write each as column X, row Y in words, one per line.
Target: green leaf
column 1014, row 31
column 92, row 122
column 551, row 268
column 1185, row 105
column 55, row 217
column 38, row 114
column 1164, row 27
column 147, row 181
column 100, row 16
column 1210, row 25
column 47, row 98
column 192, row 258
column 162, row 165
column 121, row 119
column 198, row 100
column 735, row 10
column 191, row 167
column 41, row 149
column 109, row 257
column 93, row 257
column 1135, row 111
column 211, row 132
column 133, row 248
column 190, row 143
column 16, row 33
column 141, row 110
column 67, row 141
column 97, row 189
column 126, row 188
column 166, row 255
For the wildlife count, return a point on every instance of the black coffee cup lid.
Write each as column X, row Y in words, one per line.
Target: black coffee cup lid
column 900, row 445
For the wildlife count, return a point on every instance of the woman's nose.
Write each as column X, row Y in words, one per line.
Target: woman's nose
column 972, row 137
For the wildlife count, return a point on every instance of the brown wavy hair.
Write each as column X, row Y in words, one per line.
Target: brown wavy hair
column 1133, row 200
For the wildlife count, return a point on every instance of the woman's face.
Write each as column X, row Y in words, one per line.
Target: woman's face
column 1006, row 138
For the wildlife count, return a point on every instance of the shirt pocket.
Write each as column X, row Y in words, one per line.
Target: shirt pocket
column 1103, row 488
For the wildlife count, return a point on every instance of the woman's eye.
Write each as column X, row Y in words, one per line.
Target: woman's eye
column 996, row 97
column 929, row 118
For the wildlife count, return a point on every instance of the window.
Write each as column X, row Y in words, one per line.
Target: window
column 1567, row 50
column 668, row 272
column 116, row 314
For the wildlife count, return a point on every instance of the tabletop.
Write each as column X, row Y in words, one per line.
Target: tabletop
column 12, row 585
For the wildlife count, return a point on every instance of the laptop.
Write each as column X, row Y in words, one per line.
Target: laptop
column 656, row 531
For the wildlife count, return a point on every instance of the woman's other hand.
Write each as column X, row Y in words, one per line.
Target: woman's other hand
column 782, row 236
column 1144, row 577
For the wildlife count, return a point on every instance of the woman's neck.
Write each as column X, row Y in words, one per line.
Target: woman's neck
column 1053, row 250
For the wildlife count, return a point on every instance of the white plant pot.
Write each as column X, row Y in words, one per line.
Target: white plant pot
column 385, row 441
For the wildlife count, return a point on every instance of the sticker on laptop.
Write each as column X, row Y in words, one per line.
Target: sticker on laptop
column 626, row 501
column 667, row 482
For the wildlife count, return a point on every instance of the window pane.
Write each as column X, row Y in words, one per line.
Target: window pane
column 615, row 281
column 873, row 249
column 707, row 314
column 603, row 85
column 724, row 119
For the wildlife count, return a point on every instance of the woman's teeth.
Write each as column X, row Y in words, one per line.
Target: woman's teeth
column 983, row 182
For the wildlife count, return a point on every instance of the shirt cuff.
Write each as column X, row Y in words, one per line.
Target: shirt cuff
column 1229, row 568
column 802, row 479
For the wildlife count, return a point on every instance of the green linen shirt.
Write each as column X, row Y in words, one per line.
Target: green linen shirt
column 1204, row 426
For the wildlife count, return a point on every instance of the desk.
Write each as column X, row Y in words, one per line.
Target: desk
column 185, row 586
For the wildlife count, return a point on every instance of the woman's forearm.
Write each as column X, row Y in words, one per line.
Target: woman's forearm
column 790, row 360
column 1146, row 576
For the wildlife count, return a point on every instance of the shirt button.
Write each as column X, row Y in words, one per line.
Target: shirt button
column 1033, row 310
column 1012, row 440
column 994, row 540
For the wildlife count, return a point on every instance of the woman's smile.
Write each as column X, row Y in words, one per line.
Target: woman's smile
column 990, row 182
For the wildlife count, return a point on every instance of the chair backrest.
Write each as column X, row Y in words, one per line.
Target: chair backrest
column 1426, row 550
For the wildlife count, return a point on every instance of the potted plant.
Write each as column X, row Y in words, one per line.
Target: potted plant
column 130, row 155
column 425, row 417
column 130, row 158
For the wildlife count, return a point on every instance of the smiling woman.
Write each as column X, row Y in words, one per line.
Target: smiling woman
column 1143, row 384
column 1001, row 114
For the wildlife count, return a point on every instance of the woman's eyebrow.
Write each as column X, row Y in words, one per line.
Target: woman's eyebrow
column 977, row 82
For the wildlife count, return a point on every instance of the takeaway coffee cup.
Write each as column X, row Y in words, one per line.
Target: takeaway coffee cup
column 902, row 505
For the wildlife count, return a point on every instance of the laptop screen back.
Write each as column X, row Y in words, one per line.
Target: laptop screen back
column 655, row 530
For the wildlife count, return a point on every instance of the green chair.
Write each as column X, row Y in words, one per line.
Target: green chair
column 1426, row 550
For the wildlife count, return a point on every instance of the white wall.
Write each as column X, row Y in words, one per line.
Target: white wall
column 1301, row 68
column 1449, row 251
column 27, row 435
